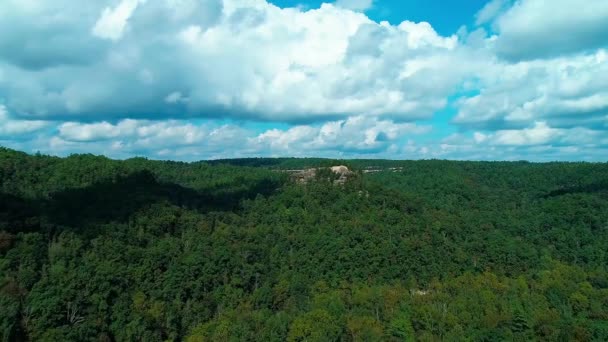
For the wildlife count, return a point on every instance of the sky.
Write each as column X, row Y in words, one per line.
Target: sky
column 398, row 79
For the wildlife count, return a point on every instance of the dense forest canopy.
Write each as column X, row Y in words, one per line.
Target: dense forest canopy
column 94, row 249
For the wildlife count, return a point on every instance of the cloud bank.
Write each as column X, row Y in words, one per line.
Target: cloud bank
column 162, row 78
column 210, row 59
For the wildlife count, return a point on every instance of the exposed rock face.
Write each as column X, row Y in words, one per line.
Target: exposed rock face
column 341, row 169
column 303, row 176
column 344, row 173
column 306, row 175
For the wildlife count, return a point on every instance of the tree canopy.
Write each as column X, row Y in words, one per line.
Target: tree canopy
column 233, row 250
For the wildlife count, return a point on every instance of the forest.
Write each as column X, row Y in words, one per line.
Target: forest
column 95, row 249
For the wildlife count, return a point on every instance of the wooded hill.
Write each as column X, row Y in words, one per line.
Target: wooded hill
column 94, row 249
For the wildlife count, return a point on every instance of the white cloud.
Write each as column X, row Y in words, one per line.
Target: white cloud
column 17, row 129
column 41, row 34
column 355, row 5
column 239, row 59
column 127, row 77
column 356, row 134
column 359, row 134
column 564, row 92
column 169, row 139
column 153, row 134
column 538, row 142
column 74, row 131
column 358, row 137
column 539, row 134
column 489, row 11
column 539, row 28
column 113, row 21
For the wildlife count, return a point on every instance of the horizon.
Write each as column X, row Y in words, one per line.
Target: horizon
column 191, row 80
column 38, row 153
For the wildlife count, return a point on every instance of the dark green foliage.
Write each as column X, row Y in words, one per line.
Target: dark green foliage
column 138, row 250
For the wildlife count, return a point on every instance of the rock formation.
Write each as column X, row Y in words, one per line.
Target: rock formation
column 306, row 175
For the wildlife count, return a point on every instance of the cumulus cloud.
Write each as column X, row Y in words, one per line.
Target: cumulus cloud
column 490, row 11
column 533, row 29
column 356, row 134
column 138, row 132
column 113, row 21
column 127, row 77
column 353, row 138
column 564, row 92
column 17, row 129
column 74, row 131
column 231, row 58
column 175, row 138
column 538, row 134
column 537, row 142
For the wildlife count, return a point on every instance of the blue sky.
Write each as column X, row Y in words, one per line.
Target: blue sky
column 447, row 16
column 206, row 79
